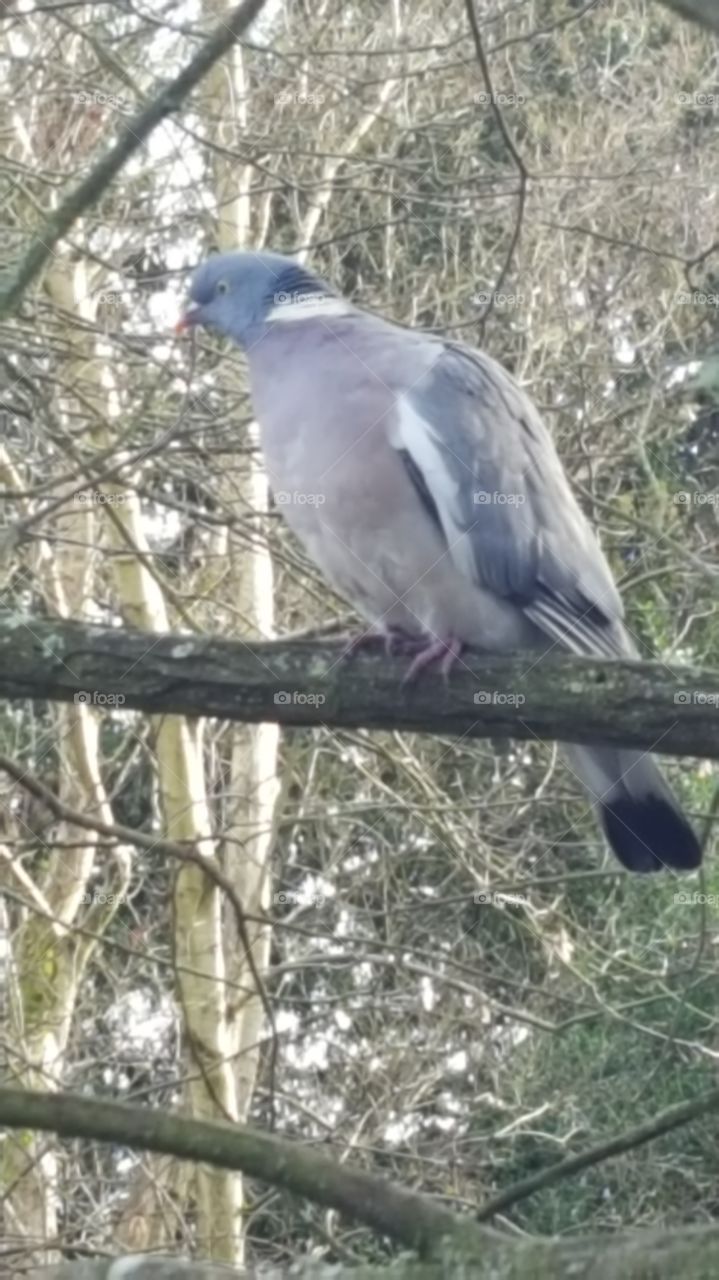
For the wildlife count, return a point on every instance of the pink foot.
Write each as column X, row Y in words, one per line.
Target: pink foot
column 444, row 651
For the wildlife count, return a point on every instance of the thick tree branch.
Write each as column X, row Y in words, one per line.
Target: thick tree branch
column 411, row 1219
column 646, row 705
column 132, row 136
column 454, row 1246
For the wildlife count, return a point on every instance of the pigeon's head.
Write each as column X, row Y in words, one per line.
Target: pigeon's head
column 238, row 294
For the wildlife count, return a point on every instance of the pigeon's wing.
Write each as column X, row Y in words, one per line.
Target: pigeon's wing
column 487, row 471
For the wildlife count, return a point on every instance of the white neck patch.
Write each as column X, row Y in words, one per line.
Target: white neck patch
column 302, row 306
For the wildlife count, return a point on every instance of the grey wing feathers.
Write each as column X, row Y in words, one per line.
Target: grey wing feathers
column 508, row 514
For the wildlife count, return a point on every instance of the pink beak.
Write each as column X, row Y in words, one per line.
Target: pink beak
column 189, row 318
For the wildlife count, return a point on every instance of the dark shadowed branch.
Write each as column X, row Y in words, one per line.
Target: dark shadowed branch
column 647, row 705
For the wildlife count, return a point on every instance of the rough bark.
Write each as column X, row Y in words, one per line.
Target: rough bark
column 310, row 683
column 451, row 1246
column 408, row 1217
column 455, row 1245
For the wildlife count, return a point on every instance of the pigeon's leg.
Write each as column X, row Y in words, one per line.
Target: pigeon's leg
column 395, row 641
column 445, row 652
column 454, row 650
column 364, row 639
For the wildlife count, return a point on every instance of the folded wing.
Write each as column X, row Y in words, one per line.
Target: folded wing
column 487, row 471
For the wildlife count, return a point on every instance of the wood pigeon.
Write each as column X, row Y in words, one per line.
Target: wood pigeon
column 423, row 483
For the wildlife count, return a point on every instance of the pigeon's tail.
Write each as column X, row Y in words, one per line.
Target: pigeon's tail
column 639, row 815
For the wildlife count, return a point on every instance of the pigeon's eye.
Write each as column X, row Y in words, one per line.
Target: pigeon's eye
column 222, row 287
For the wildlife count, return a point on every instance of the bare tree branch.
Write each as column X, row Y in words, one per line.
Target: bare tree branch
column 646, row 705
column 452, row 1245
column 132, row 136
column 414, row 1220
column 509, row 143
column 673, row 1118
column 182, row 852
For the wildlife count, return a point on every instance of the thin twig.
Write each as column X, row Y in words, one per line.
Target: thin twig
column 132, row 136
column 672, row 1118
column 509, row 143
column 173, row 849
